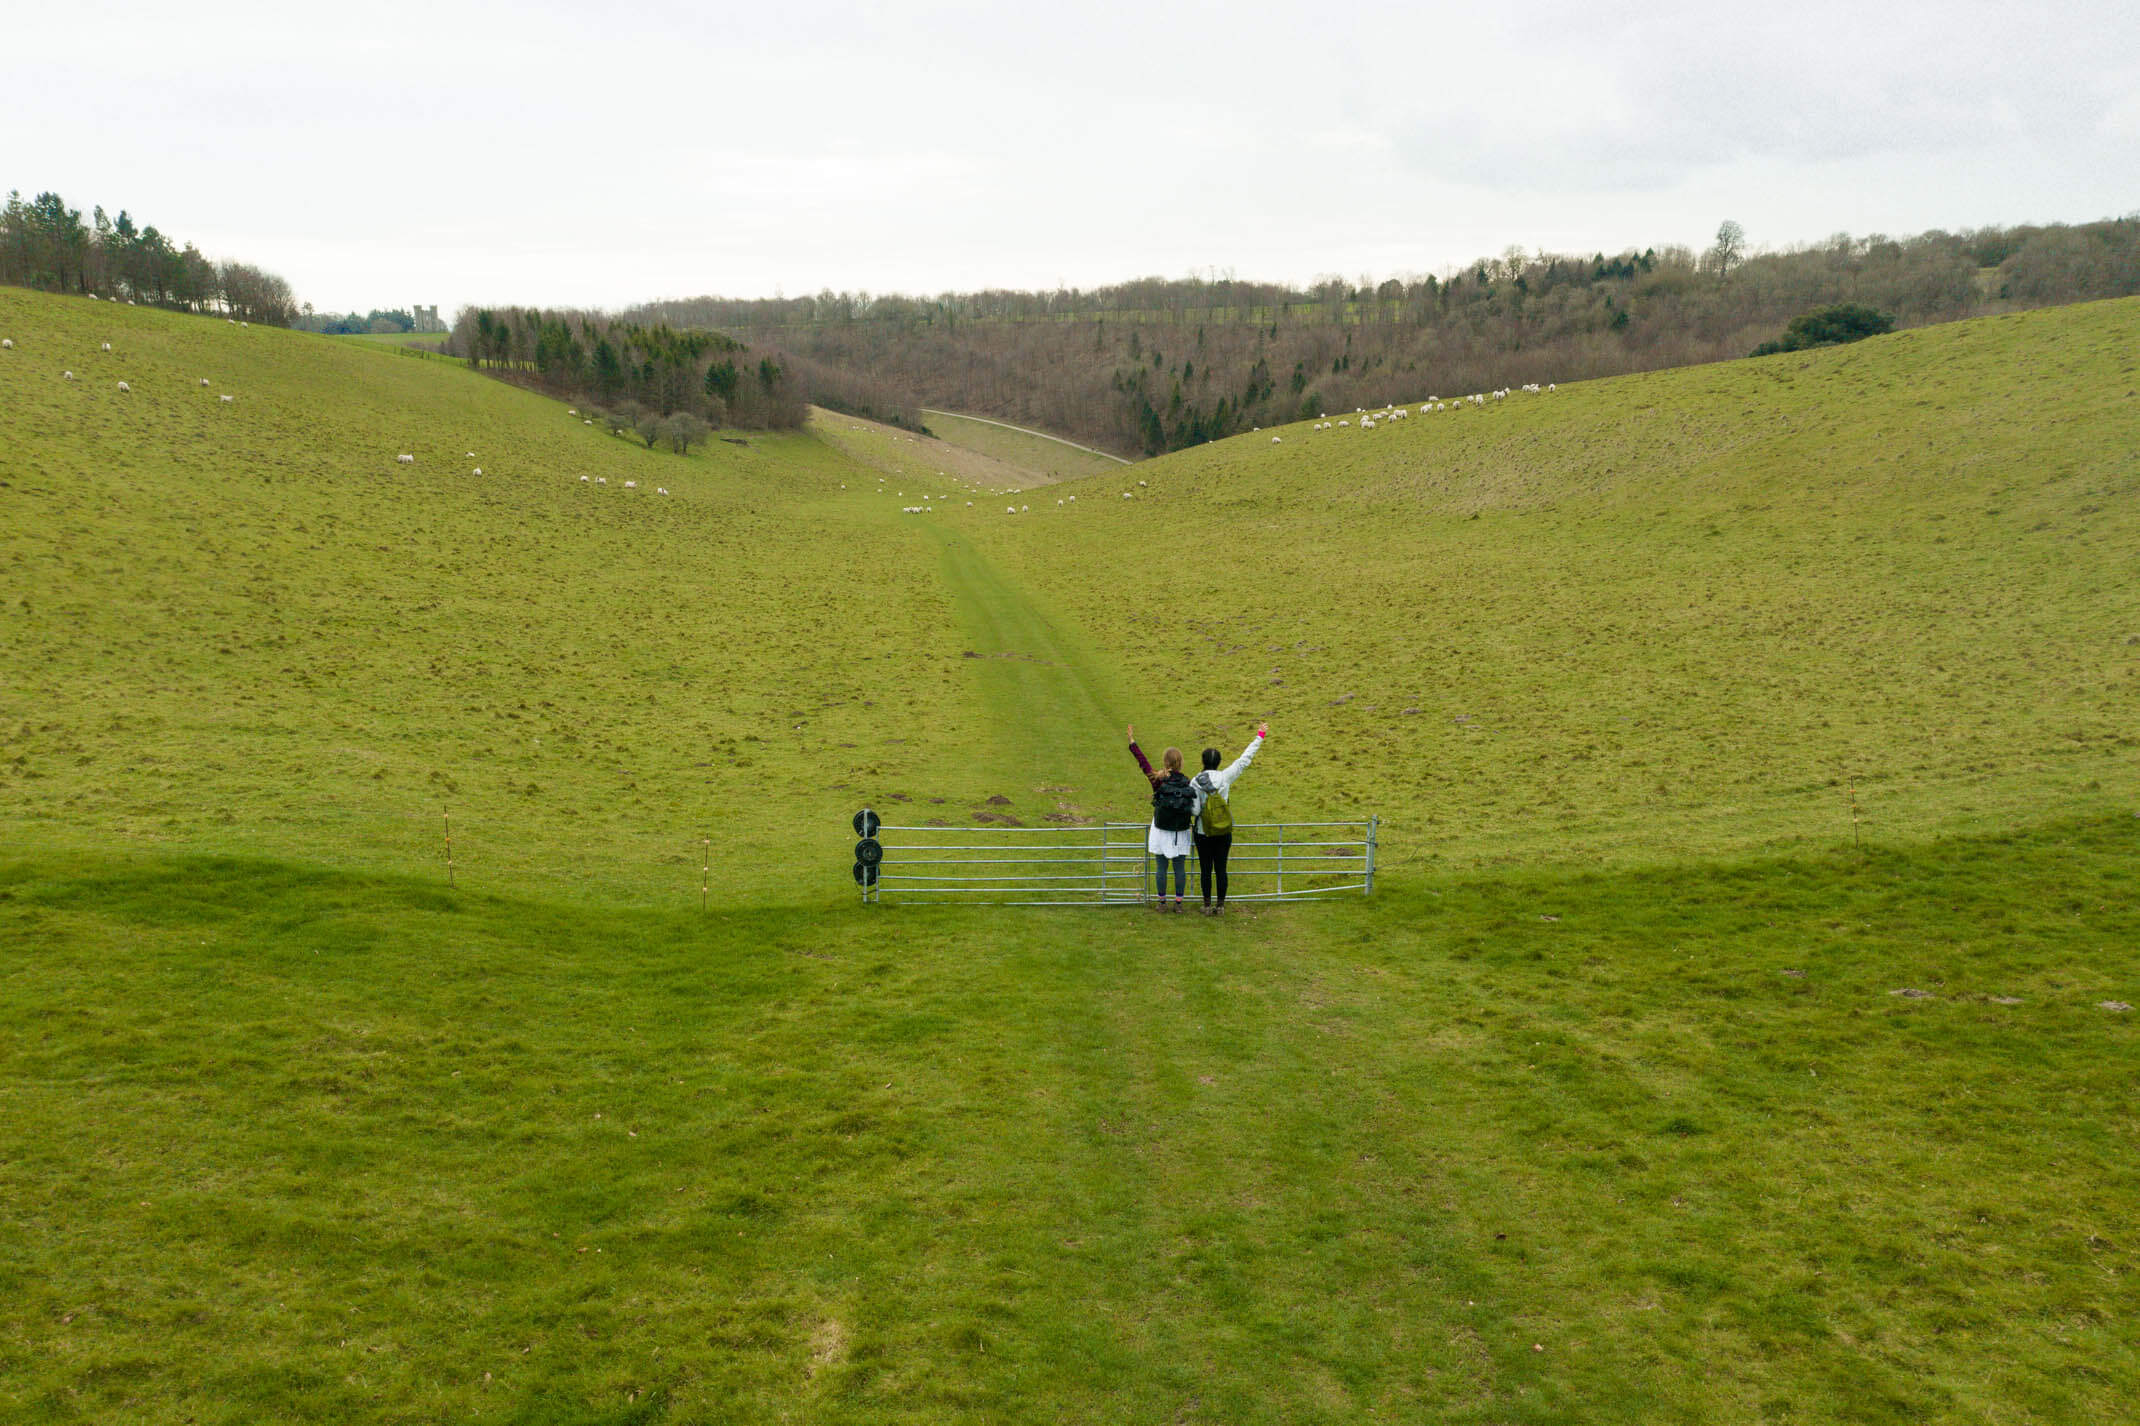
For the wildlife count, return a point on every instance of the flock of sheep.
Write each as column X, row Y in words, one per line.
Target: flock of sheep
column 126, row 388
column 1369, row 420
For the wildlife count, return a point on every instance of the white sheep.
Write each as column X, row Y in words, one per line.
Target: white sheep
column 471, row 455
column 405, row 460
column 1126, row 495
column 66, row 376
column 631, row 485
column 226, row 400
column 1073, row 500
column 204, row 381
column 1023, row 508
column 601, row 480
column 661, row 490
column 92, row 296
column 124, row 387
column 1274, row 440
column 107, row 346
column 7, row 344
column 583, row 480
column 572, row 410
column 586, row 423
column 1010, row 509
column 477, row 471
column 1140, row 485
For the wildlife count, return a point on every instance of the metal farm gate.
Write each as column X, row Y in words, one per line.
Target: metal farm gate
column 1102, row 864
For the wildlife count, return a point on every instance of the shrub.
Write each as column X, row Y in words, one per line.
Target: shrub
column 1829, row 327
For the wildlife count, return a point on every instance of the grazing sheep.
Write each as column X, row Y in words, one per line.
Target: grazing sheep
column 1125, row 495
column 92, row 296
column 1073, row 500
column 572, row 410
column 1345, row 423
column 204, row 381
column 1140, row 485
column 661, row 490
column 583, row 480
column 1024, row 508
column 1010, row 509
column 471, row 455
column 226, row 400
column 477, row 471
column 107, row 346
column 7, row 344
column 1274, row 440
column 124, row 387
column 405, row 460
column 631, row 485
column 601, row 480
column 66, row 376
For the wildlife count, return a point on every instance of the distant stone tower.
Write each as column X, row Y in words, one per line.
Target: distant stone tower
column 427, row 319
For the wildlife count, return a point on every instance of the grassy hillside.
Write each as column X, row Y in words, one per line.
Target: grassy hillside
column 1635, row 1095
column 245, row 624
column 1664, row 615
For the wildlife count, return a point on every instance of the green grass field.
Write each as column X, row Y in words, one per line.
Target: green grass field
column 1606, row 1108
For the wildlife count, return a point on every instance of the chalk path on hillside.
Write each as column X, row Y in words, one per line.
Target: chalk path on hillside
column 1052, row 710
column 1024, row 431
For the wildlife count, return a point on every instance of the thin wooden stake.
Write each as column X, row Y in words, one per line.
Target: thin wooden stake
column 447, row 814
column 705, row 873
column 1854, row 817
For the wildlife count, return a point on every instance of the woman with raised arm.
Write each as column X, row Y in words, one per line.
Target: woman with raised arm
column 1173, row 815
column 1214, row 817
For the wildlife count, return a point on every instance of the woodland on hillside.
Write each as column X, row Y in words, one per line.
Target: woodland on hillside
column 47, row 245
column 1156, row 365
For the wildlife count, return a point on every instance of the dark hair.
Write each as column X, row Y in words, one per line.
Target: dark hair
column 1211, row 757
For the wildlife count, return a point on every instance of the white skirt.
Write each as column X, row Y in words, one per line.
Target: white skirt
column 1162, row 843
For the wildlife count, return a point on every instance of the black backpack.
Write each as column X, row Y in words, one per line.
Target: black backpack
column 1173, row 804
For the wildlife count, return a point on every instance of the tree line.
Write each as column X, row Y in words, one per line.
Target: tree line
column 47, row 245
column 632, row 370
column 1158, row 364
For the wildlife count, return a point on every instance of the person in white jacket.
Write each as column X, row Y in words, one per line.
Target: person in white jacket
column 1213, row 823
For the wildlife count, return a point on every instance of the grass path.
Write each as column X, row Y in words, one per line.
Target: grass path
column 1053, row 706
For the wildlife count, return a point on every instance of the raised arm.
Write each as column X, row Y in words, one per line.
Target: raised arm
column 1138, row 753
column 1240, row 764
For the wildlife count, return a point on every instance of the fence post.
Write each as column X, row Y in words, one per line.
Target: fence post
column 1372, row 824
column 1281, row 858
column 447, row 814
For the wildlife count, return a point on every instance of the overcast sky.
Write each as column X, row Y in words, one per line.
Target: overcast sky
column 388, row 153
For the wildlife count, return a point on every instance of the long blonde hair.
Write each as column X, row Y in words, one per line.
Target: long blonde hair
column 1171, row 759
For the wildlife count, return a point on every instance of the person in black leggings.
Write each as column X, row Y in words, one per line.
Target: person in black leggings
column 1211, row 854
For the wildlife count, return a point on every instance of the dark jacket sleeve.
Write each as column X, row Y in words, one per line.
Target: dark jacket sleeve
column 1138, row 753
